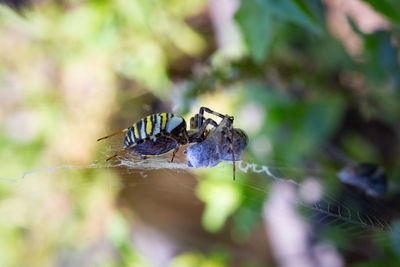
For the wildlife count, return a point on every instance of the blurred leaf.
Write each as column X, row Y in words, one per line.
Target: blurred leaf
column 303, row 6
column 294, row 11
column 147, row 65
column 221, row 197
column 387, row 8
column 321, row 119
column 118, row 230
column 255, row 23
column 183, row 37
column 381, row 57
column 296, row 128
column 195, row 259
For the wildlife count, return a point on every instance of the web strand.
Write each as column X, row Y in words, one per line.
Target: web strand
column 329, row 210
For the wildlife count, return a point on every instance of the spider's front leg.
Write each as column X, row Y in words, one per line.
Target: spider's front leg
column 197, row 137
column 201, row 114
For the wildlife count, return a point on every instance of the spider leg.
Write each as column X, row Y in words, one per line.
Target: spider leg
column 203, row 127
column 194, row 122
column 175, row 151
column 119, row 132
column 122, row 151
column 231, row 141
column 185, row 136
column 233, row 156
column 201, row 115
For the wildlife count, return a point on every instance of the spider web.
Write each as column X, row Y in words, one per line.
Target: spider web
column 342, row 210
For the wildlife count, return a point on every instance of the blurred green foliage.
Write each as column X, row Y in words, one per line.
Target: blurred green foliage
column 119, row 235
column 388, row 8
column 221, row 198
column 258, row 22
column 192, row 259
column 67, row 67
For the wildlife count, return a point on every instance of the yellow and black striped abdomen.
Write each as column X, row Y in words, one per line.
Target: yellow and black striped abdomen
column 152, row 126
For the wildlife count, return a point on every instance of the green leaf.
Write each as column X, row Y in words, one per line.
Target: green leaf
column 255, row 23
column 294, row 11
column 386, row 7
column 221, row 197
column 304, row 8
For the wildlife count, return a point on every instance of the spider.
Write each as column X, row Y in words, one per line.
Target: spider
column 218, row 144
column 159, row 133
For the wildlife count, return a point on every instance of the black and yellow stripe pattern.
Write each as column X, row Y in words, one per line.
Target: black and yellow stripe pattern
column 151, row 126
